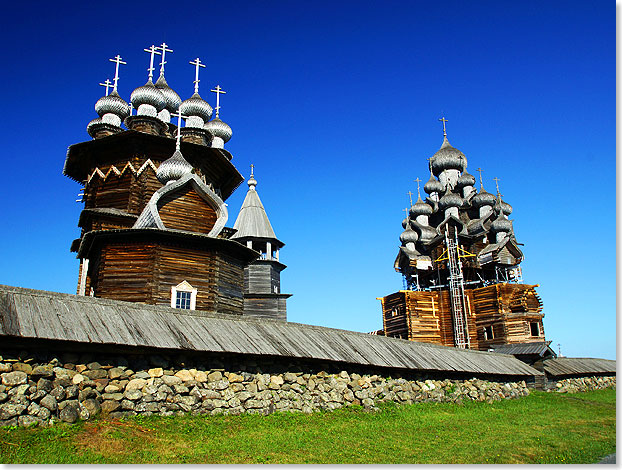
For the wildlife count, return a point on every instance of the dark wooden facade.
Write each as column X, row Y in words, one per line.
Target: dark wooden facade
column 496, row 314
column 144, row 264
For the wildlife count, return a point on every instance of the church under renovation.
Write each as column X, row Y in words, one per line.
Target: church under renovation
column 461, row 266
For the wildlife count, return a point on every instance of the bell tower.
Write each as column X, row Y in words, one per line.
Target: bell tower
column 262, row 277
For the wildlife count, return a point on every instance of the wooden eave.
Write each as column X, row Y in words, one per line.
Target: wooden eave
column 213, row 162
column 92, row 240
column 28, row 314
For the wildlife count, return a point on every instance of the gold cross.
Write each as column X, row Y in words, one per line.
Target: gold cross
column 444, row 129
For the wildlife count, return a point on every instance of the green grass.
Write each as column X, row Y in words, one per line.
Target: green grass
column 540, row 428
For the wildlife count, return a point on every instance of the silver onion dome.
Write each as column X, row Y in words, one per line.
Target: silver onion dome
column 148, row 94
column 171, row 99
column 405, row 222
column 465, row 179
column 196, row 106
column 483, row 198
column 448, row 158
column 409, row 236
column 420, row 208
column 220, row 129
column 433, row 186
column 501, row 224
column 450, row 199
column 112, row 104
column 91, row 125
column 173, row 168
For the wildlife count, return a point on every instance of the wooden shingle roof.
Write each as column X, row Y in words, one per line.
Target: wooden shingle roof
column 561, row 366
column 34, row 314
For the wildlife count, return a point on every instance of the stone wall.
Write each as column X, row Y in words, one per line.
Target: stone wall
column 72, row 386
column 581, row 384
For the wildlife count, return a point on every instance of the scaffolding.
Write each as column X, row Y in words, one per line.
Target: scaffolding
column 456, row 289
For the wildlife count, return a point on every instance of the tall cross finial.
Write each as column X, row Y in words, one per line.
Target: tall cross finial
column 163, row 48
column 497, row 183
column 153, row 51
column 481, row 184
column 444, row 128
column 430, row 165
column 117, row 60
column 410, row 197
column 178, row 115
column 106, row 84
column 418, row 190
column 197, row 63
column 218, row 91
column 252, row 170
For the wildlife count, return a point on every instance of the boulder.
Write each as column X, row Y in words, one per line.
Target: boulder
column 11, row 379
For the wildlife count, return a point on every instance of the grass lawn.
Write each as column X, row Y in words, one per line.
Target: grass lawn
column 540, row 428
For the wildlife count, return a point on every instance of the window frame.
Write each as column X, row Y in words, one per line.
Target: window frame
column 184, row 286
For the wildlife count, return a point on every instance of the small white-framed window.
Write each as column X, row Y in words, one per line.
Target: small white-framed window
column 183, row 296
column 488, row 333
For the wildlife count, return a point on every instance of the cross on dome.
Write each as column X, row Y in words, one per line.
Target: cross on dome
column 252, row 169
column 444, row 129
column 197, row 63
column 178, row 115
column 218, row 91
column 163, row 47
column 497, row 183
column 481, row 184
column 418, row 190
column 117, row 60
column 410, row 197
column 152, row 51
column 107, row 84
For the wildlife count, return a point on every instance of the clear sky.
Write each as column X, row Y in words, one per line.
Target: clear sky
column 336, row 103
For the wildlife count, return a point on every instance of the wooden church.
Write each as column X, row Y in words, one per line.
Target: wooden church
column 153, row 225
column 460, row 261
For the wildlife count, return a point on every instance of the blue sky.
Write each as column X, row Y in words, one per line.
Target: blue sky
column 337, row 106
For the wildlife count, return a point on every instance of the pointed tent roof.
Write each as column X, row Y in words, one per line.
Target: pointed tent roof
column 252, row 221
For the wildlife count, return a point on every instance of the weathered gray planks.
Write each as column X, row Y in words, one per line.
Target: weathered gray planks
column 102, row 321
column 562, row 366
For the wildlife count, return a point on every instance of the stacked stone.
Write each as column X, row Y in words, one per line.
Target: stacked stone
column 42, row 393
column 583, row 384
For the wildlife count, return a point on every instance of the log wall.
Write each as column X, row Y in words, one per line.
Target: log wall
column 186, row 210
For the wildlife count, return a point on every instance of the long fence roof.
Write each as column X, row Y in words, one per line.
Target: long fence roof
column 35, row 314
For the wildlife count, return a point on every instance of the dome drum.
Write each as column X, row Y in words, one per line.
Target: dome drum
column 195, row 136
column 146, row 124
column 220, row 131
column 98, row 129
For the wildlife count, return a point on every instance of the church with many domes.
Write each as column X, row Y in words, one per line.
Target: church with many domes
column 153, row 227
column 460, row 261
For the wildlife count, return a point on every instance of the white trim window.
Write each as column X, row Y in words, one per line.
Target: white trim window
column 183, row 296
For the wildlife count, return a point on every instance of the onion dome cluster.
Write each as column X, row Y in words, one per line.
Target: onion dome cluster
column 171, row 99
column 173, row 168
column 148, row 100
column 197, row 110
column 448, row 158
column 220, row 131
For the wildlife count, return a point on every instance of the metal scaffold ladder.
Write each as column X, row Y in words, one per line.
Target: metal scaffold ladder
column 456, row 292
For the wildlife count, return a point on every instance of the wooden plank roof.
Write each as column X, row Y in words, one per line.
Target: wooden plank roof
column 560, row 366
column 539, row 348
column 36, row 314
